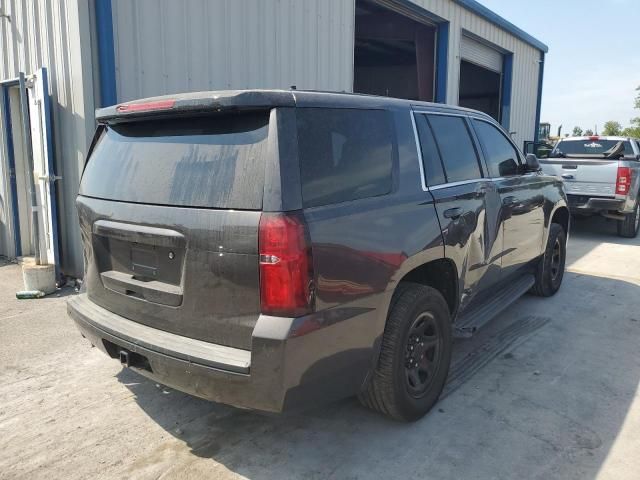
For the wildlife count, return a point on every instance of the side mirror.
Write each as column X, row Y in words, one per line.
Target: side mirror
column 533, row 165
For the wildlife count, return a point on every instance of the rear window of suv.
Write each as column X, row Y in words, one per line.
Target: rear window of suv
column 345, row 154
column 209, row 162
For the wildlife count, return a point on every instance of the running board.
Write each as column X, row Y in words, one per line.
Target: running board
column 467, row 324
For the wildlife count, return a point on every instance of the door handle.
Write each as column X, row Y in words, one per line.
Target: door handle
column 510, row 200
column 453, row 213
column 567, row 176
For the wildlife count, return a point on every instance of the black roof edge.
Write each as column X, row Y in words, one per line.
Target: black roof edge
column 199, row 103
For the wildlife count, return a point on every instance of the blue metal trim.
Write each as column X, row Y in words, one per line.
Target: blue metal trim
column 106, row 55
column 536, row 134
column 46, row 111
column 12, row 168
column 442, row 61
column 507, row 79
column 484, row 12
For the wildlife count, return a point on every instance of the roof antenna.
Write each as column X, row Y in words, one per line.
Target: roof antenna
column 293, row 87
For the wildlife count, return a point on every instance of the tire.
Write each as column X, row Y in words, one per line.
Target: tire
column 395, row 389
column 628, row 228
column 551, row 266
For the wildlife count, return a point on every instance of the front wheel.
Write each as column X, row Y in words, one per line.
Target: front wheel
column 414, row 356
column 551, row 267
column 628, row 227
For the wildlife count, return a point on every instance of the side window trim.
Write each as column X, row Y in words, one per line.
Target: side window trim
column 423, row 177
column 423, row 171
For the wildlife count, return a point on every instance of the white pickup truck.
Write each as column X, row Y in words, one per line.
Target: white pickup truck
column 601, row 176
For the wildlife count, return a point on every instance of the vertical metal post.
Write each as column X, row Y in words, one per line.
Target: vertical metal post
column 28, row 148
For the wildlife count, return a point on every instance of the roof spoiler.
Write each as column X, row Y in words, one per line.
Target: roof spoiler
column 195, row 103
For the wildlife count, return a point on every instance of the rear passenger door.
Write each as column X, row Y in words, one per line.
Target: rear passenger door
column 521, row 196
column 466, row 201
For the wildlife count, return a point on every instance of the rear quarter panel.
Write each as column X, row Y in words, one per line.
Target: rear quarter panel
column 362, row 248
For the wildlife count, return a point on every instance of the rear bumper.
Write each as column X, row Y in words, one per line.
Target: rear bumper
column 292, row 364
column 585, row 205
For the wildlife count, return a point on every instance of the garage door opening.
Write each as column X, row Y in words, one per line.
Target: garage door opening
column 394, row 54
column 480, row 89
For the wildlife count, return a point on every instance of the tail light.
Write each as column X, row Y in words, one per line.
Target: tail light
column 286, row 266
column 146, row 106
column 623, row 180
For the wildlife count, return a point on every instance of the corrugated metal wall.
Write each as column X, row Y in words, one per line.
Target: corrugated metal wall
column 56, row 34
column 525, row 62
column 164, row 46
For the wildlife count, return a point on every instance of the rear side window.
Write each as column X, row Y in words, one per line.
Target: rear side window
column 345, row 154
column 430, row 155
column 456, row 148
column 210, row 162
column 500, row 155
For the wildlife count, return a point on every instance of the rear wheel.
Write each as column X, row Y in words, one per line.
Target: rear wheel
column 414, row 357
column 628, row 227
column 551, row 266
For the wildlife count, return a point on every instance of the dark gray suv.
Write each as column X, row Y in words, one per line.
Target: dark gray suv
column 276, row 249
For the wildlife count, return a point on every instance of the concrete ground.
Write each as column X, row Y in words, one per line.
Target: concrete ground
column 548, row 390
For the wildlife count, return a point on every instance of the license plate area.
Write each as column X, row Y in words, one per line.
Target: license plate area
column 145, row 253
column 144, row 262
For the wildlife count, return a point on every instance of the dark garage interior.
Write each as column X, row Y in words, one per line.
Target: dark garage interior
column 394, row 55
column 480, row 89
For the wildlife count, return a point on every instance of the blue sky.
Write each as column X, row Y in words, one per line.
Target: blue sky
column 593, row 64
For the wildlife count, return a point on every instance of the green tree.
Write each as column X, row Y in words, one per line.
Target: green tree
column 612, row 128
column 588, row 132
column 634, row 129
column 577, row 132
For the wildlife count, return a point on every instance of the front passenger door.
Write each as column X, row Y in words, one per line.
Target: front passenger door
column 521, row 196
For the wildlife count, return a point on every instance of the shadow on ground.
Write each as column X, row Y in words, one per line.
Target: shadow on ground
column 543, row 392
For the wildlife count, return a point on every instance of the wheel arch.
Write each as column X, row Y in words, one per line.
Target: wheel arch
column 440, row 274
column 562, row 217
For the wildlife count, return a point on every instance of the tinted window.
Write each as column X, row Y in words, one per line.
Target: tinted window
column 500, row 155
column 430, row 156
column 456, row 147
column 199, row 162
column 597, row 148
column 344, row 154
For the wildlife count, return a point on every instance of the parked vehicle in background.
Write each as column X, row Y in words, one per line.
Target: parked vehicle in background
column 601, row 176
column 276, row 249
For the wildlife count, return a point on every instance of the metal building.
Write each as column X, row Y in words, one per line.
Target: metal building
column 60, row 59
